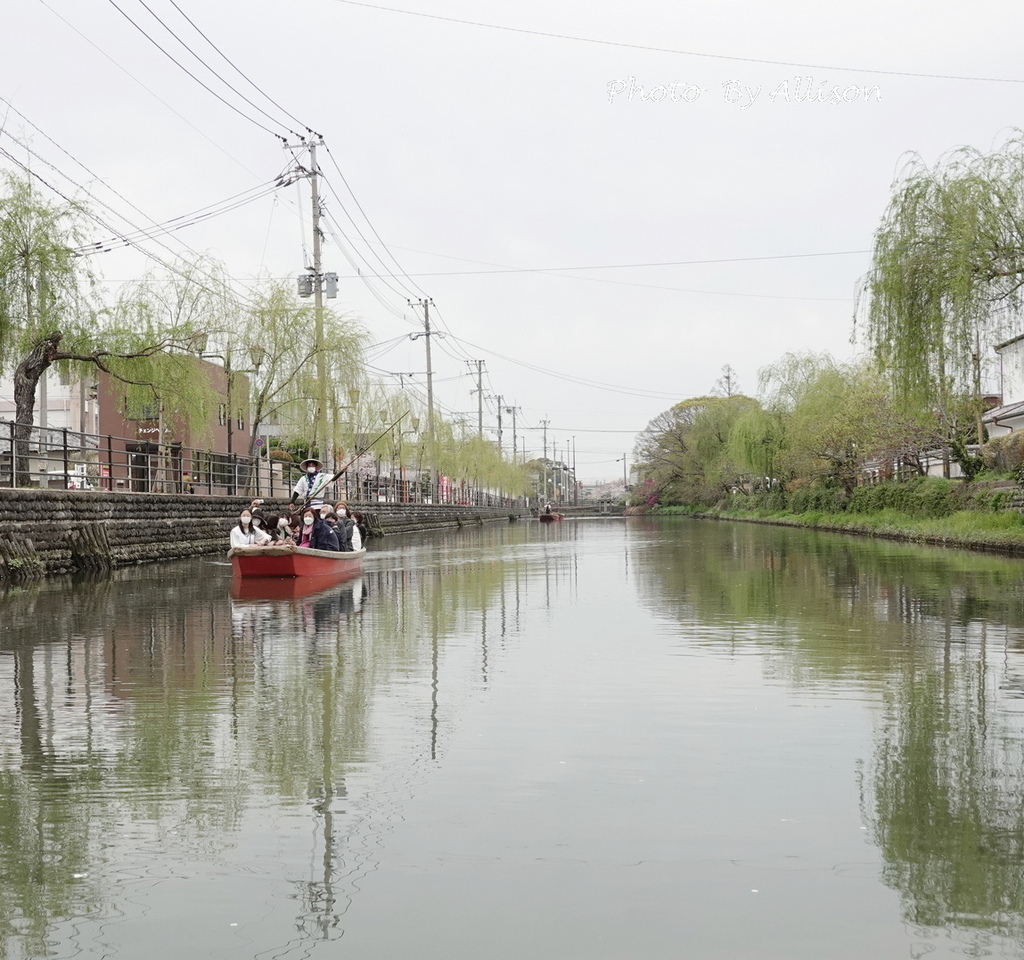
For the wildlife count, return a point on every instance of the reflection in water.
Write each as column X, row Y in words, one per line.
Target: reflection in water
column 941, row 636
column 163, row 729
column 150, row 707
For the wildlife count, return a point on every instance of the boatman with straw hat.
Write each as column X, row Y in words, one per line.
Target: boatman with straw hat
column 309, row 491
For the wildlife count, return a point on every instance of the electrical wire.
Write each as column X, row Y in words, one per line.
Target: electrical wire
column 231, row 64
column 230, row 86
column 152, row 93
column 682, row 53
column 201, row 83
column 170, row 267
column 632, row 266
column 408, row 291
column 554, row 271
column 582, row 381
column 359, row 206
column 185, row 220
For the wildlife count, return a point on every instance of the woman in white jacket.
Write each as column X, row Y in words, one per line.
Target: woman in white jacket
column 245, row 534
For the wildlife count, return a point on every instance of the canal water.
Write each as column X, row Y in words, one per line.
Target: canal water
column 595, row 739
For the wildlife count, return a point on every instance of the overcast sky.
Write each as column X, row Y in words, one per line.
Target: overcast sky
column 631, row 217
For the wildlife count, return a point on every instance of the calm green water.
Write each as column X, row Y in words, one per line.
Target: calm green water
column 599, row 739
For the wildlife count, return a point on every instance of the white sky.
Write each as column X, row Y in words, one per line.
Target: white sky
column 468, row 147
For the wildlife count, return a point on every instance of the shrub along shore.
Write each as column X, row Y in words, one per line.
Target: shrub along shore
column 977, row 516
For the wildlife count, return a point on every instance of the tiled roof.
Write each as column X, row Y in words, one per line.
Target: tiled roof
column 1005, row 412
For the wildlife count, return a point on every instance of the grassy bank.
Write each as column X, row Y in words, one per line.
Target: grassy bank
column 977, row 525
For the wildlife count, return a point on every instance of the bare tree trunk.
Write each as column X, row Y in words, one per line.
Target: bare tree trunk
column 26, row 379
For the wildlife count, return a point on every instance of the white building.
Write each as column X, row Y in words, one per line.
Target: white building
column 1009, row 415
column 58, row 404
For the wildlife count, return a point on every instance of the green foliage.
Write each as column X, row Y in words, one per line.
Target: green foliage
column 41, row 276
column 1004, row 454
column 946, row 270
column 686, row 454
column 921, row 497
column 970, row 464
column 817, row 498
column 273, row 343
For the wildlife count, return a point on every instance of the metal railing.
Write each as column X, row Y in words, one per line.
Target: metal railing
column 65, row 459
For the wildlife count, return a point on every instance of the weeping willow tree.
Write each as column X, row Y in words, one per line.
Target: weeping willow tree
column 756, row 443
column 50, row 314
column 272, row 343
column 947, row 274
column 469, row 460
column 156, row 329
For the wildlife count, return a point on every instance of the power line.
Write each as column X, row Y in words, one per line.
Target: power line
column 582, row 381
column 359, row 206
column 676, row 52
column 230, row 86
column 409, row 292
column 181, row 66
column 645, row 286
column 187, row 220
column 155, row 96
column 106, row 226
column 231, row 64
column 632, row 266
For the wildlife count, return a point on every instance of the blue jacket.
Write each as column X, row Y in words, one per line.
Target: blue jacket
column 324, row 537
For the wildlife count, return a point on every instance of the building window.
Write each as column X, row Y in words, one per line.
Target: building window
column 240, row 421
column 222, row 414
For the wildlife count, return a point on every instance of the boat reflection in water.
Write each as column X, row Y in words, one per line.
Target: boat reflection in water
column 288, row 560
column 289, row 588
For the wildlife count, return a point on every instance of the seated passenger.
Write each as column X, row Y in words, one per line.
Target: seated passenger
column 324, row 537
column 305, row 536
column 272, row 525
column 361, row 533
column 247, row 533
column 316, row 532
column 345, row 525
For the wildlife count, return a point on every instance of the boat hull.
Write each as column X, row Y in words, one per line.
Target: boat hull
column 551, row 517
column 289, row 561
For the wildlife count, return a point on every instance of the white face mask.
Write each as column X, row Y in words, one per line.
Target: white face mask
column 342, row 512
column 310, row 469
column 282, row 523
column 245, row 518
column 308, row 521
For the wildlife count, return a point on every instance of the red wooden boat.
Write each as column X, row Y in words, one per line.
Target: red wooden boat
column 285, row 560
column 551, row 517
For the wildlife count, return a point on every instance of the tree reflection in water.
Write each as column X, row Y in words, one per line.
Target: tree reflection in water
column 145, row 716
column 928, row 633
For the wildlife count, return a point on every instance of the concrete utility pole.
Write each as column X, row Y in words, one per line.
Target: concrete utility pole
column 427, row 334
column 512, row 410
column 499, row 398
column 575, row 482
column 320, row 416
column 479, row 397
column 544, row 462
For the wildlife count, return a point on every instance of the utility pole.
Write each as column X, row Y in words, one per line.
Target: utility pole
column 575, row 482
column 499, row 398
column 320, row 416
column 512, row 410
column 427, row 334
column 544, row 462
column 479, row 397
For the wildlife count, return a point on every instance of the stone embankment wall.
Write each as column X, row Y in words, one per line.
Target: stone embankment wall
column 58, row 531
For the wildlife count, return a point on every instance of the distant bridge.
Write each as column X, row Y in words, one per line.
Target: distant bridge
column 592, row 509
